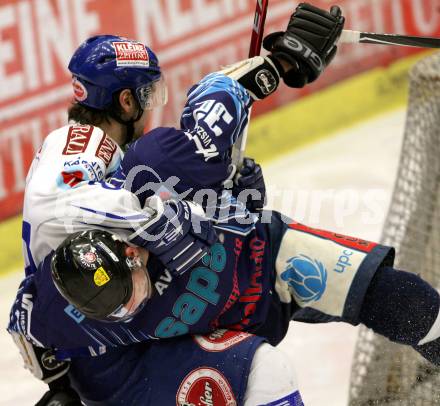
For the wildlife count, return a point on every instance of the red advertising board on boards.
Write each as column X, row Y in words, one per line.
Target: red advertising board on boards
column 190, row 37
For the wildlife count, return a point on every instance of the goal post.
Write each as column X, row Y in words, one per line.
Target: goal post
column 385, row 373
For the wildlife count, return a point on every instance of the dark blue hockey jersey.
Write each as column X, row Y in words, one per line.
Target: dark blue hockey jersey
column 196, row 158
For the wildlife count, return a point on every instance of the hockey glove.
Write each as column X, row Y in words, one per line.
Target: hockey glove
column 40, row 361
column 45, row 367
column 249, row 186
column 179, row 235
column 259, row 75
column 309, row 43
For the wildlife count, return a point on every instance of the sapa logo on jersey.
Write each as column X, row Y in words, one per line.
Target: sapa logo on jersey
column 131, row 54
column 205, row 387
column 220, row 340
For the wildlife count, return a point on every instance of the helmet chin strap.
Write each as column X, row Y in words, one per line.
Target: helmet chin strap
column 129, row 124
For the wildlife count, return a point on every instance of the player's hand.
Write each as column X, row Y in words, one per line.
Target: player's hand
column 180, row 234
column 309, row 43
column 248, row 185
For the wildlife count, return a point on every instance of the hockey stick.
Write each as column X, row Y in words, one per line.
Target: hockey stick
column 355, row 37
column 254, row 50
column 258, row 27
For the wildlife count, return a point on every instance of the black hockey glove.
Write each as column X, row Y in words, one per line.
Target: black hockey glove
column 45, row 367
column 40, row 361
column 60, row 394
column 179, row 235
column 309, row 43
column 249, row 186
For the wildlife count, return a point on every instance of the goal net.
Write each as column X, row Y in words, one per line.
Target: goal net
column 384, row 373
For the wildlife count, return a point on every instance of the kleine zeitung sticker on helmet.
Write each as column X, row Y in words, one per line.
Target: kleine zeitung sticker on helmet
column 131, row 54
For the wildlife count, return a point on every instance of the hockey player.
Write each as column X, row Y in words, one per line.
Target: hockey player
column 107, row 98
column 258, row 277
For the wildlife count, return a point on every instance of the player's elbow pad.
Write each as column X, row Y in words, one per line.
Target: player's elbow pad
column 259, row 75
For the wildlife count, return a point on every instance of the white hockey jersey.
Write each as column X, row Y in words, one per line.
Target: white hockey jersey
column 66, row 192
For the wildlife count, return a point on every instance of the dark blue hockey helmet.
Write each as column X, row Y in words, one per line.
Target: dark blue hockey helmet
column 105, row 64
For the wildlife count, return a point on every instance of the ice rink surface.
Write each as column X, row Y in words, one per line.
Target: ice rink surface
column 343, row 184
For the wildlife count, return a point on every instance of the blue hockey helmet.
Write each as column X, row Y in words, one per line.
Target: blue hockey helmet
column 105, row 64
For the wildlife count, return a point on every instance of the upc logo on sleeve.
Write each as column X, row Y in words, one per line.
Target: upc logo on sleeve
column 131, row 54
column 306, row 277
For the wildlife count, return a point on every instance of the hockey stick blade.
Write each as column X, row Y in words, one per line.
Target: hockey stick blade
column 355, row 37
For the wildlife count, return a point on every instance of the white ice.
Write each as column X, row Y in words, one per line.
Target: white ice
column 343, row 184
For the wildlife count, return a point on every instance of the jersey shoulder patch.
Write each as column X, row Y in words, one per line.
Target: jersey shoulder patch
column 78, row 137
